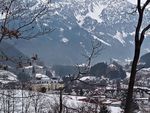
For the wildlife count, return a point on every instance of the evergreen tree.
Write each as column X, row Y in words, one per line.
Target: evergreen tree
column 104, row 109
column 81, row 92
column 43, row 90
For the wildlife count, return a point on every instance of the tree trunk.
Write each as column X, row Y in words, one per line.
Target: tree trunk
column 60, row 101
column 132, row 79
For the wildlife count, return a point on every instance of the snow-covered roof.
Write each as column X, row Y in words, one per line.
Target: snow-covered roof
column 42, row 76
column 107, row 102
column 6, row 76
column 88, row 78
column 115, row 109
column 110, row 88
column 141, row 98
column 37, row 66
column 82, row 65
column 28, row 67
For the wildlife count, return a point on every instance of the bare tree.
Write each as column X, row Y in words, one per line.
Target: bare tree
column 19, row 19
column 139, row 38
column 35, row 101
column 94, row 52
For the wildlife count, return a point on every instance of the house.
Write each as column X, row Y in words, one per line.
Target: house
column 40, row 80
column 31, row 70
column 43, row 81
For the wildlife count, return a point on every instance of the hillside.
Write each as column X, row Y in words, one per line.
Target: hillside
column 77, row 22
column 145, row 59
column 112, row 71
column 13, row 54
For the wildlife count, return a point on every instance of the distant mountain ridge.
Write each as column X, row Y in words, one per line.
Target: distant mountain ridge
column 145, row 59
column 13, row 54
column 111, row 71
column 77, row 22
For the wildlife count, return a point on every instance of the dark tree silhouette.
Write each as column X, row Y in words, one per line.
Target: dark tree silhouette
column 139, row 38
column 43, row 90
column 104, row 109
column 81, row 92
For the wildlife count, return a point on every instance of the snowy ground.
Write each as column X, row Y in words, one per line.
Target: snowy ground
column 33, row 102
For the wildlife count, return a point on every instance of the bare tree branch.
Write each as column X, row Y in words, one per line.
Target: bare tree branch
column 143, row 33
column 145, row 5
column 23, row 18
column 34, row 18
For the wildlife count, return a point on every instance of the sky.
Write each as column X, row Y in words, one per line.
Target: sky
column 135, row 1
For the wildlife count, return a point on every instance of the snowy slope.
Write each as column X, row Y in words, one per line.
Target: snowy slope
column 6, row 76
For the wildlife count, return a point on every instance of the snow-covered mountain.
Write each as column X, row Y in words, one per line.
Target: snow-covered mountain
column 76, row 22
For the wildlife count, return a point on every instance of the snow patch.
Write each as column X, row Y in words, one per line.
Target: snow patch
column 6, row 76
column 2, row 16
column 37, row 66
column 128, row 60
column 96, row 11
column 42, row 76
column 145, row 69
column 147, row 50
column 69, row 28
column 128, row 74
column 120, row 37
column 61, row 29
column 132, row 33
column 112, row 66
column 82, row 65
column 80, row 19
column 64, row 40
column 101, row 33
column 102, row 41
column 45, row 24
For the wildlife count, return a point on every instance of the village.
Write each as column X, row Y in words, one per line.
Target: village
column 90, row 89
